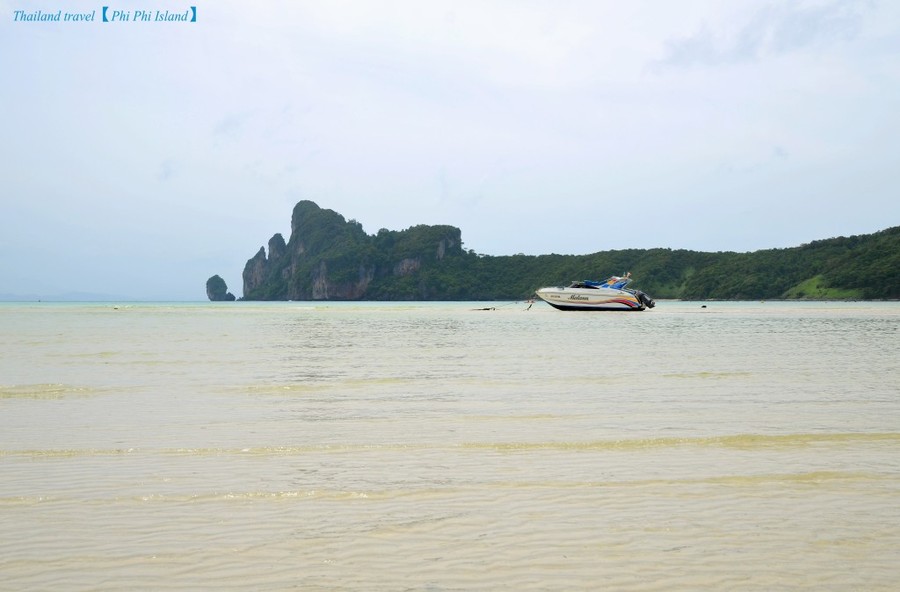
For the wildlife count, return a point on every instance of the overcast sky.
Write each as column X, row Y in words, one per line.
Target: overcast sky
column 138, row 159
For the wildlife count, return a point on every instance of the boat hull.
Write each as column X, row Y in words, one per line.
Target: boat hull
column 590, row 299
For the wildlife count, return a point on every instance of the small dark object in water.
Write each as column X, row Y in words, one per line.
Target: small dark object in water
column 703, row 306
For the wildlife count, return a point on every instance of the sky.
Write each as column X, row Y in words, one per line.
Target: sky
column 140, row 158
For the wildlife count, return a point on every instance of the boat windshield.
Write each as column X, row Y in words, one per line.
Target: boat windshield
column 616, row 282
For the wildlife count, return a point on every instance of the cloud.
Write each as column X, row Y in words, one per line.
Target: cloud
column 231, row 126
column 776, row 29
column 167, row 169
column 832, row 23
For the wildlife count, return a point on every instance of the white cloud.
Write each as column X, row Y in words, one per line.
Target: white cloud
column 771, row 29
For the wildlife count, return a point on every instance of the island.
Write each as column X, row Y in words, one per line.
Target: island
column 330, row 258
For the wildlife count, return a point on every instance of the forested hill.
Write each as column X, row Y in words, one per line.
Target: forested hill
column 330, row 258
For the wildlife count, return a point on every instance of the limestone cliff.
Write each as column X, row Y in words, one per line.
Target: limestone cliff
column 330, row 258
column 217, row 290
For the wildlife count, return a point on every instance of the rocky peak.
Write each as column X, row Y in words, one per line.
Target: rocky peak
column 217, row 290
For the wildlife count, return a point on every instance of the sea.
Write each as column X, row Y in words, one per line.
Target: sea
column 461, row 446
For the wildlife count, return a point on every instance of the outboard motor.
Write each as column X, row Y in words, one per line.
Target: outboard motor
column 644, row 299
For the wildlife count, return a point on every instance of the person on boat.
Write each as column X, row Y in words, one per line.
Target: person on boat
column 617, row 282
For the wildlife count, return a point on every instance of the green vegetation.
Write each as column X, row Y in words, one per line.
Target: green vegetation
column 816, row 289
column 328, row 257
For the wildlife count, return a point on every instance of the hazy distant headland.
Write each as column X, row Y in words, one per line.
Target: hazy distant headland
column 67, row 297
column 330, row 258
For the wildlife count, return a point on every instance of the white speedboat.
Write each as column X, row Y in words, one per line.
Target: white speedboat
column 611, row 294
